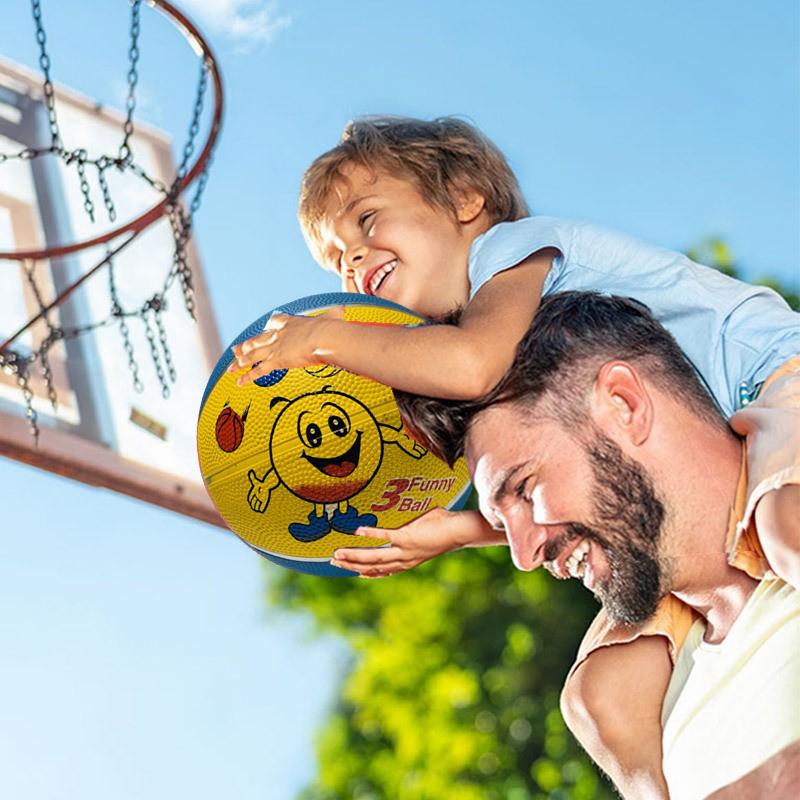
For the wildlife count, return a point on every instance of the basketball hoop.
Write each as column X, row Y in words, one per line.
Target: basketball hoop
column 198, row 169
column 169, row 204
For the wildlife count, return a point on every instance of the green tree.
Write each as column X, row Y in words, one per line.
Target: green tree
column 452, row 691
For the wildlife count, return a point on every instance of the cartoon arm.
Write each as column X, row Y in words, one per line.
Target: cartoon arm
column 261, row 488
column 392, row 435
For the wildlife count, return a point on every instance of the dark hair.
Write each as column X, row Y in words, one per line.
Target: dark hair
column 437, row 156
column 557, row 362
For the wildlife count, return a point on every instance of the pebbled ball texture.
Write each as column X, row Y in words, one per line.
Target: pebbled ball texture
column 317, row 452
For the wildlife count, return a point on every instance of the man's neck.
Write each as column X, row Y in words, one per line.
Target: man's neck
column 702, row 492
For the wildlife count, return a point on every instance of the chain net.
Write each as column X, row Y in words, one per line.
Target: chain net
column 22, row 363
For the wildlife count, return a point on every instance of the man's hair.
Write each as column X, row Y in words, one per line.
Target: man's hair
column 438, row 157
column 557, row 363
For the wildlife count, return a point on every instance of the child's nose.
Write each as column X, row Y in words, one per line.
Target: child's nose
column 355, row 255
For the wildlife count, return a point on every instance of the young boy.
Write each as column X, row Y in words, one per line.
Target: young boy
column 429, row 215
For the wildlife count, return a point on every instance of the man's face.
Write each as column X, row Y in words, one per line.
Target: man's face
column 384, row 240
column 579, row 507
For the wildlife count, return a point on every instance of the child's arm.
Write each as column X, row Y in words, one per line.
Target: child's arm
column 429, row 535
column 612, row 704
column 444, row 361
column 777, row 515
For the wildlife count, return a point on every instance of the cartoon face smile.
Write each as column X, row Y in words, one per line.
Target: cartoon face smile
column 336, row 461
column 338, row 466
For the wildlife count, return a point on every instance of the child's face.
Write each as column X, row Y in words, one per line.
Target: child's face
column 385, row 240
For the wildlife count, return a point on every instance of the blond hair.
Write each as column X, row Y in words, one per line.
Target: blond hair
column 439, row 157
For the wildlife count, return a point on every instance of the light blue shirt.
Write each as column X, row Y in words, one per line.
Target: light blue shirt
column 734, row 334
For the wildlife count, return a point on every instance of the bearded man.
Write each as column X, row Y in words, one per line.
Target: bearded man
column 602, row 457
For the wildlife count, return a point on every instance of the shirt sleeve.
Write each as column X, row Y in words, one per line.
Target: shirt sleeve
column 509, row 243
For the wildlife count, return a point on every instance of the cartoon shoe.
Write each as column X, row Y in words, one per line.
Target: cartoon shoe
column 317, row 528
column 350, row 520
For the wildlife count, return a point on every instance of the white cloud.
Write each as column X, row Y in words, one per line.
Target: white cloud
column 246, row 22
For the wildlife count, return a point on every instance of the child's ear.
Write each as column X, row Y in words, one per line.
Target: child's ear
column 469, row 204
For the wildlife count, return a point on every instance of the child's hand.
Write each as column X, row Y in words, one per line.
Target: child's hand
column 422, row 539
column 287, row 341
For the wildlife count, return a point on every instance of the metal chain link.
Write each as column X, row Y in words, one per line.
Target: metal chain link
column 107, row 199
column 151, row 340
column 162, row 339
column 117, row 313
column 125, row 153
column 44, row 63
column 80, row 157
column 54, row 333
column 13, row 362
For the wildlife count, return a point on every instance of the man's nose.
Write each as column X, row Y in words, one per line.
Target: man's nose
column 527, row 542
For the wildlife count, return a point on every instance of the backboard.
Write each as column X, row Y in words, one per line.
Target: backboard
column 105, row 430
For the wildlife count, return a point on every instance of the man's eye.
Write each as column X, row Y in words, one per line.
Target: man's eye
column 525, row 491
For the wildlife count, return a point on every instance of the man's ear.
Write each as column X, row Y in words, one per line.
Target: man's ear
column 469, row 204
column 622, row 405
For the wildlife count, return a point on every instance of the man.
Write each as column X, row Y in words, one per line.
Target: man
column 602, row 457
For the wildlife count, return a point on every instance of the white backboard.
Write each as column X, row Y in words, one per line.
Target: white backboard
column 103, row 432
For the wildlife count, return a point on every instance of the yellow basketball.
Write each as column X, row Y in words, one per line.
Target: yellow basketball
column 298, row 459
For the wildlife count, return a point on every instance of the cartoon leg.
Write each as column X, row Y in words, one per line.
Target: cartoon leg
column 346, row 519
column 318, row 526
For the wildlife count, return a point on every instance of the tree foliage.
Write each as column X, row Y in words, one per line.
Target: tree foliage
column 452, row 691
column 454, row 684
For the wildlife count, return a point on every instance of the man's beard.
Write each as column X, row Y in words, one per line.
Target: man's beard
column 627, row 523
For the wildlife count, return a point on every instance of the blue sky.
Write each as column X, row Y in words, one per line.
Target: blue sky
column 140, row 659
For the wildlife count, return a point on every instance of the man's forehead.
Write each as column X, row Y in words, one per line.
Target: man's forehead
column 499, row 440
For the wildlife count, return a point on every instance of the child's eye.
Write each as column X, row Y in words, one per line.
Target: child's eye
column 362, row 220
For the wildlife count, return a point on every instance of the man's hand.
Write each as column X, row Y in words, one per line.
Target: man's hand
column 778, row 778
column 287, row 341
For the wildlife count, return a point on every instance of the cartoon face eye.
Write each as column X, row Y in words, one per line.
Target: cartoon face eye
column 338, row 426
column 313, row 435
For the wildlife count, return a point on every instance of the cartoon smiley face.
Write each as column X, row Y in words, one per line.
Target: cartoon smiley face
column 326, row 446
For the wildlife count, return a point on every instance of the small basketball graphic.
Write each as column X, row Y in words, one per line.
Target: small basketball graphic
column 230, row 428
column 326, row 452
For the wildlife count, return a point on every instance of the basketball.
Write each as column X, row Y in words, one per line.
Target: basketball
column 298, row 459
column 230, row 429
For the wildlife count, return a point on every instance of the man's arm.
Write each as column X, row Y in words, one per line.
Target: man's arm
column 776, row 779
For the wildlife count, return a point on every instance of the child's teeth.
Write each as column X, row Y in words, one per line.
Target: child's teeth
column 380, row 275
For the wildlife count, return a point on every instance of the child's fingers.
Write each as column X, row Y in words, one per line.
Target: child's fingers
column 375, row 533
column 276, row 322
column 367, row 555
column 248, row 377
column 367, row 568
column 243, row 352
